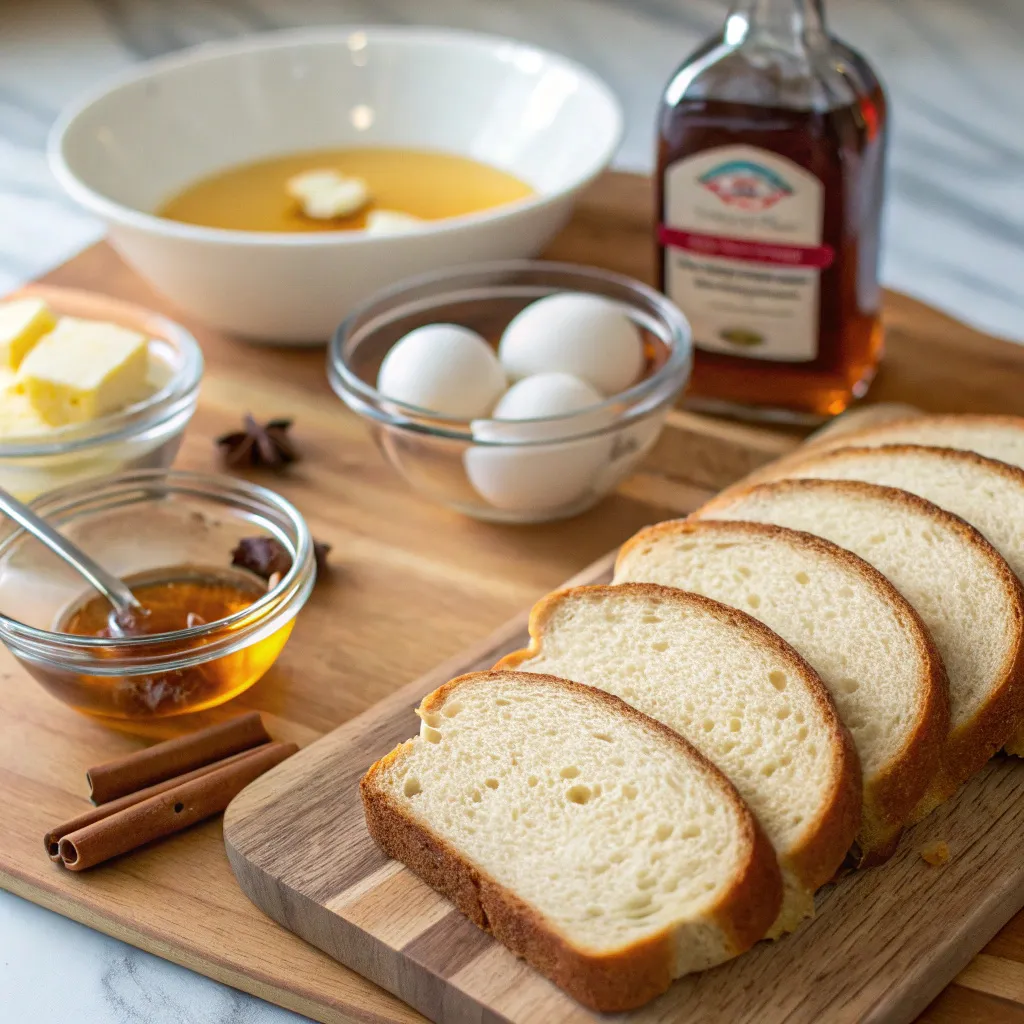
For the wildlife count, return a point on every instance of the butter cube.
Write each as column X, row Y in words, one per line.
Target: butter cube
column 18, row 417
column 392, row 222
column 84, row 369
column 22, row 323
column 325, row 195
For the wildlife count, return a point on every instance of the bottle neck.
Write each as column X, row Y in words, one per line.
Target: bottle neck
column 794, row 25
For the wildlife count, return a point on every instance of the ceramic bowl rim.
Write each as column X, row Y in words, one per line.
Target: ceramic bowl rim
column 123, row 214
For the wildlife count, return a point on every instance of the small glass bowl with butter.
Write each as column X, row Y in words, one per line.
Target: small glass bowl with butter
column 502, row 349
column 130, row 412
column 168, row 532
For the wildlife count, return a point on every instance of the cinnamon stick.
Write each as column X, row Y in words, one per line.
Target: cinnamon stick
column 168, row 812
column 52, row 838
column 166, row 760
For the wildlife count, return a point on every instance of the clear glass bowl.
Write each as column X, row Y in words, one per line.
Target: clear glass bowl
column 144, row 436
column 133, row 524
column 486, row 468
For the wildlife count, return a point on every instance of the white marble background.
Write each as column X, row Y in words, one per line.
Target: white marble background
column 955, row 238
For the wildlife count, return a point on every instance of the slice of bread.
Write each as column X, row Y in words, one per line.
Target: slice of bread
column 741, row 695
column 590, row 839
column 986, row 493
column 959, row 584
column 995, row 437
column 855, row 629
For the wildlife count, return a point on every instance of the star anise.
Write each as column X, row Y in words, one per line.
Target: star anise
column 264, row 556
column 320, row 552
column 267, row 556
column 266, row 445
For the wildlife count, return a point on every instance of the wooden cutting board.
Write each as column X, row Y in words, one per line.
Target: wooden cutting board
column 412, row 585
column 882, row 945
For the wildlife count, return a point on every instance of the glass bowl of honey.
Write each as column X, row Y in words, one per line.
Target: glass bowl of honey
column 501, row 470
column 208, row 630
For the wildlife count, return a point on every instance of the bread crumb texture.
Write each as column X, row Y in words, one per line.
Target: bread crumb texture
column 602, row 823
column 935, row 853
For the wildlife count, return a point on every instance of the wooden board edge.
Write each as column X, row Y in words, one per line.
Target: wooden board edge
column 948, row 959
column 376, row 961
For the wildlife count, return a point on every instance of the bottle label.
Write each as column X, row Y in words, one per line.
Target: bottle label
column 743, row 252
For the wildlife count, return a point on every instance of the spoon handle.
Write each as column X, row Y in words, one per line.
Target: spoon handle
column 113, row 589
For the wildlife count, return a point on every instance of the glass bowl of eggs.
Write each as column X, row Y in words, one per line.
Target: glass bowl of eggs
column 516, row 392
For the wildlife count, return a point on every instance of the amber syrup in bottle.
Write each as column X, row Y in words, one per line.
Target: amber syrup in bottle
column 771, row 146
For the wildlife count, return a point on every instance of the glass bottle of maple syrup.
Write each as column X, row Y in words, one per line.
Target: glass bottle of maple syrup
column 771, row 146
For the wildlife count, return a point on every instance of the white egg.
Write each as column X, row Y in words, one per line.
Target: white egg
column 557, row 479
column 538, row 397
column 588, row 336
column 445, row 368
column 545, row 479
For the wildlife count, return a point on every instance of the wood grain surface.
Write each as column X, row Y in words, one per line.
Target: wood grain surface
column 412, row 585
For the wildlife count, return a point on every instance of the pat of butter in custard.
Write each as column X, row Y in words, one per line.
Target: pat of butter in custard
column 392, row 222
column 326, row 194
column 22, row 323
column 84, row 369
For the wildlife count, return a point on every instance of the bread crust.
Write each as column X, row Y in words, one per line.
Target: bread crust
column 1002, row 716
column 1010, row 474
column 776, row 469
column 891, row 797
column 824, row 842
column 955, row 420
column 607, row 982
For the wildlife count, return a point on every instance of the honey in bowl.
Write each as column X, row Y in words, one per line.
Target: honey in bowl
column 424, row 184
column 172, row 600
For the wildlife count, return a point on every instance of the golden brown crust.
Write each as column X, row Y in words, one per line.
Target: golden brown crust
column 1002, row 716
column 1012, row 475
column 937, row 420
column 612, row 982
column 824, row 842
column 891, row 796
column 1009, row 474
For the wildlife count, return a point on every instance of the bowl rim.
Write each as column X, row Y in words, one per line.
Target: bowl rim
column 664, row 383
column 120, row 213
column 290, row 593
column 164, row 404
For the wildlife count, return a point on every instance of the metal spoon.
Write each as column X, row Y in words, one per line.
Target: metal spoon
column 126, row 608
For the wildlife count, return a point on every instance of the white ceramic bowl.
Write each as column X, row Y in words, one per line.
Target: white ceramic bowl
column 128, row 147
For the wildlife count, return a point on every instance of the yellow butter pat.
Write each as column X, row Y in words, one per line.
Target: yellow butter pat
column 326, row 194
column 22, row 323
column 84, row 369
column 18, row 417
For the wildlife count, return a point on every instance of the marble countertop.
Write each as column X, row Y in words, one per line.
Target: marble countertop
column 954, row 237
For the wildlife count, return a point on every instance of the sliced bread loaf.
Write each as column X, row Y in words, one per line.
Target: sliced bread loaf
column 986, row 493
column 591, row 840
column 854, row 628
column 959, row 584
column 741, row 695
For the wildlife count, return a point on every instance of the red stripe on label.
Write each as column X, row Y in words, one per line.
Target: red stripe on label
column 818, row 256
